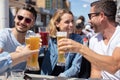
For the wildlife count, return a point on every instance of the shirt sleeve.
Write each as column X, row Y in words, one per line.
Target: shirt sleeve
column 5, row 62
column 3, row 38
column 118, row 45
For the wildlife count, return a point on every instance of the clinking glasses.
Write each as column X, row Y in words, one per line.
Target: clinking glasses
column 27, row 20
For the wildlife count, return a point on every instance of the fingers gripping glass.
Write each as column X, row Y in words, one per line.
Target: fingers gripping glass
column 94, row 14
column 27, row 20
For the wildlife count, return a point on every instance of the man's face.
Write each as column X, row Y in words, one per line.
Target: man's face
column 24, row 20
column 94, row 20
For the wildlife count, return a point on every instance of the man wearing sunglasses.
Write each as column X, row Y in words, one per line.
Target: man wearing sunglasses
column 104, row 47
column 10, row 38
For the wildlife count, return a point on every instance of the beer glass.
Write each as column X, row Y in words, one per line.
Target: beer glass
column 44, row 36
column 4, row 76
column 61, row 55
column 32, row 62
column 16, row 74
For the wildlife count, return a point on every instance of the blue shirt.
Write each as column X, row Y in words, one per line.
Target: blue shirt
column 73, row 61
column 5, row 62
column 9, row 44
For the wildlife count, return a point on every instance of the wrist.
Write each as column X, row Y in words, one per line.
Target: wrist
column 81, row 50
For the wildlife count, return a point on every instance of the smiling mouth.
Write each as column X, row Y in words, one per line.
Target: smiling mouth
column 20, row 31
column 22, row 26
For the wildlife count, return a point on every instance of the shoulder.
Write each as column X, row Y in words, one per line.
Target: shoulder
column 76, row 37
column 95, row 39
column 97, row 36
column 118, row 28
column 5, row 30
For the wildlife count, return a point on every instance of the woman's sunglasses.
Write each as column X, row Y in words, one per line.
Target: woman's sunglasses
column 27, row 20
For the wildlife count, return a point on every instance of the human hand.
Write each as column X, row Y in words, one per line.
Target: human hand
column 69, row 45
column 25, row 52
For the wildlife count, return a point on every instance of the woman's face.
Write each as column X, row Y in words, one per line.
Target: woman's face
column 66, row 23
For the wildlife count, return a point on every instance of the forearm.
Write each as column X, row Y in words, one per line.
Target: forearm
column 5, row 62
column 17, row 58
column 95, row 73
column 107, row 63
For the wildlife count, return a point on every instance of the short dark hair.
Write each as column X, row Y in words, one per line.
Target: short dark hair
column 80, row 25
column 94, row 3
column 31, row 9
column 108, row 7
column 82, row 18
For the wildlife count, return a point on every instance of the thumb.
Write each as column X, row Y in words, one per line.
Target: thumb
column 35, row 51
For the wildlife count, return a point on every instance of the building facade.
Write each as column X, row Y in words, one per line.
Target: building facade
column 45, row 8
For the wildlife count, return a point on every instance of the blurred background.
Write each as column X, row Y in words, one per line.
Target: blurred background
column 45, row 10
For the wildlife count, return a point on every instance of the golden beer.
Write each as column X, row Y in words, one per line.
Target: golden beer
column 32, row 62
column 27, row 41
column 61, row 57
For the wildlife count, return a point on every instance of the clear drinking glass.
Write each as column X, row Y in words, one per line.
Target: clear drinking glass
column 32, row 62
column 61, row 55
column 16, row 74
column 3, row 76
column 44, row 36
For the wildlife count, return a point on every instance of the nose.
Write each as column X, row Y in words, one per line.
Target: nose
column 71, row 24
column 23, row 21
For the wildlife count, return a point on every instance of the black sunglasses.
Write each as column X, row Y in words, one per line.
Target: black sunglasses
column 90, row 15
column 27, row 20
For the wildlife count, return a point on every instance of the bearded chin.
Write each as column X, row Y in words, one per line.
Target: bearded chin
column 20, row 31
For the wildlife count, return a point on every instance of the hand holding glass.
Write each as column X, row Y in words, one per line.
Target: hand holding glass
column 61, row 56
column 32, row 62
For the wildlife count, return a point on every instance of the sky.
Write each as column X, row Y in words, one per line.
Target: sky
column 81, row 7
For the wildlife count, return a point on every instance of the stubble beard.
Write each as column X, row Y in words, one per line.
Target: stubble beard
column 20, row 31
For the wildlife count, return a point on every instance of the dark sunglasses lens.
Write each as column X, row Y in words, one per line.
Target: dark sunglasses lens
column 20, row 17
column 89, row 15
column 27, row 20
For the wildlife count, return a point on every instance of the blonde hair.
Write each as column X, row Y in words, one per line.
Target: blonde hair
column 56, row 19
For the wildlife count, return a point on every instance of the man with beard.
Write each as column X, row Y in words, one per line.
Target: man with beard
column 104, row 47
column 10, row 38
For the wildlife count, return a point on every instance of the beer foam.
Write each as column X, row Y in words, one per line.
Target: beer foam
column 62, row 34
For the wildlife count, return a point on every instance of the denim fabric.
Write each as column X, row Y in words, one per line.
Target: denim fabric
column 73, row 61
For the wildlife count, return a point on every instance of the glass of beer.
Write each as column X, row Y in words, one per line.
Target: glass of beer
column 44, row 36
column 32, row 62
column 61, row 55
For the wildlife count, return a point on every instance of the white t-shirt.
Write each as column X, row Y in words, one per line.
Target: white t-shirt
column 97, row 45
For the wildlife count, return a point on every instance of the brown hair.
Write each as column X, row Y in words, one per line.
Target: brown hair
column 56, row 18
column 108, row 7
column 31, row 9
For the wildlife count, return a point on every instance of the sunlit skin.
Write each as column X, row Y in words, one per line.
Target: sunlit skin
column 25, row 51
column 95, row 21
column 66, row 23
column 99, row 62
column 22, row 26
